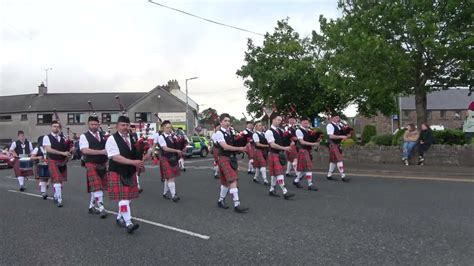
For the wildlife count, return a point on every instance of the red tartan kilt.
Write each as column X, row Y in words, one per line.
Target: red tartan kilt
column 250, row 150
column 335, row 154
column 117, row 191
column 167, row 171
column 215, row 153
column 259, row 160
column 94, row 181
column 292, row 154
column 227, row 173
column 304, row 161
column 56, row 175
column 19, row 172
column 274, row 166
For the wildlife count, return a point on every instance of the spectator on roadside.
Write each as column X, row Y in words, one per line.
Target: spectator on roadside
column 410, row 139
column 425, row 141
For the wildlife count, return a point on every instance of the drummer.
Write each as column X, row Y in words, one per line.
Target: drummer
column 21, row 148
column 38, row 155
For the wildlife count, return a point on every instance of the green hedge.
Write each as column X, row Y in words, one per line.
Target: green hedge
column 382, row 140
column 449, row 137
column 348, row 143
column 368, row 132
column 397, row 139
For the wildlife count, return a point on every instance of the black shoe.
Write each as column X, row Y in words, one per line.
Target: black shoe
column 255, row 181
column 273, row 194
column 103, row 214
column 60, row 204
column 312, row 188
column 240, row 209
column 346, row 179
column 94, row 210
column 249, row 172
column 120, row 222
column 22, row 189
column 297, row 184
column 288, row 175
column 175, row 198
column 132, row 227
column 166, row 196
column 330, row 178
column 216, row 176
column 221, row 204
column 140, row 190
column 184, row 169
column 288, row 195
column 266, row 183
column 44, row 195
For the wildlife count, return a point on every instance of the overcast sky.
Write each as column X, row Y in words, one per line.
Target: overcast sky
column 133, row 45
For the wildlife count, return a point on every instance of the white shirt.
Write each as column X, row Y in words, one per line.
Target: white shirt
column 111, row 146
column 269, row 135
column 155, row 137
column 46, row 141
column 83, row 142
column 162, row 141
column 330, row 129
column 299, row 133
column 219, row 136
column 13, row 146
column 35, row 151
column 213, row 137
column 256, row 137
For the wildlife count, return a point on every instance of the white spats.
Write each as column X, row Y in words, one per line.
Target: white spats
column 21, row 180
column 235, row 196
column 172, row 187
column 42, row 186
column 263, row 171
column 340, row 167
column 125, row 212
column 272, row 183
column 309, row 178
column 99, row 199
column 332, row 167
column 92, row 200
column 250, row 166
column 58, row 192
column 281, row 183
column 223, row 193
column 165, row 187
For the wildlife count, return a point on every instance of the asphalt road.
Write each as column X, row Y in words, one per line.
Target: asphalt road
column 370, row 221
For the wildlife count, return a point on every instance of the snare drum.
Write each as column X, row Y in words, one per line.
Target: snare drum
column 43, row 170
column 26, row 164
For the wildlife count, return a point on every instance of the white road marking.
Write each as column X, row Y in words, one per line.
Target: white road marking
column 136, row 218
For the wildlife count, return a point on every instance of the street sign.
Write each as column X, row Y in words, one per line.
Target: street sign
column 316, row 122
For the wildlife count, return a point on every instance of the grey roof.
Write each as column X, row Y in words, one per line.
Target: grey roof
column 452, row 99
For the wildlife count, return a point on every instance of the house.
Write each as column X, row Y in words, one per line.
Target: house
column 33, row 113
column 445, row 108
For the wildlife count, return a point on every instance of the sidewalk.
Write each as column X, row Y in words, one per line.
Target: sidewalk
column 409, row 171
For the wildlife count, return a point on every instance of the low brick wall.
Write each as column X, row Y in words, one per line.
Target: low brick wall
column 455, row 155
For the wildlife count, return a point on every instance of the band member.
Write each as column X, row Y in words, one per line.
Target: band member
column 183, row 141
column 58, row 153
column 261, row 153
column 277, row 157
column 122, row 180
column 228, row 166
column 38, row 155
column 169, row 160
column 336, row 136
column 292, row 155
column 92, row 146
column 215, row 150
column 21, row 150
column 249, row 148
column 305, row 162
column 134, row 136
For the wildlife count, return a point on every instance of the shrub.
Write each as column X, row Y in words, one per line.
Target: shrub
column 397, row 138
column 382, row 140
column 348, row 143
column 449, row 137
column 368, row 132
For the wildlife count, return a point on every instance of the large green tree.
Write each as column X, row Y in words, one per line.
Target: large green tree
column 283, row 73
column 379, row 50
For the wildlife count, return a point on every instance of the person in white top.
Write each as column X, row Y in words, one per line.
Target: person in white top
column 21, row 148
column 58, row 154
column 215, row 151
column 169, row 167
column 92, row 146
column 336, row 136
column 277, row 157
column 249, row 148
column 261, row 153
column 41, row 174
column 305, row 162
column 228, row 165
column 122, row 180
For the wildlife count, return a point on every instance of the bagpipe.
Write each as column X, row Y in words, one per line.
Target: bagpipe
column 143, row 145
column 240, row 138
column 69, row 142
column 92, row 111
column 346, row 129
column 181, row 142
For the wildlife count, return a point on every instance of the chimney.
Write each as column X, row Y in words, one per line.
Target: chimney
column 42, row 90
column 173, row 85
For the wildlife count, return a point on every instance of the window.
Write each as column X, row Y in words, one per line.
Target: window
column 5, row 118
column 76, row 118
column 108, row 118
column 24, row 117
column 145, row 117
column 406, row 113
column 44, row 119
column 442, row 114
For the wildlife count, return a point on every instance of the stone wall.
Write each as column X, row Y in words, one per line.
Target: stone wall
column 453, row 155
